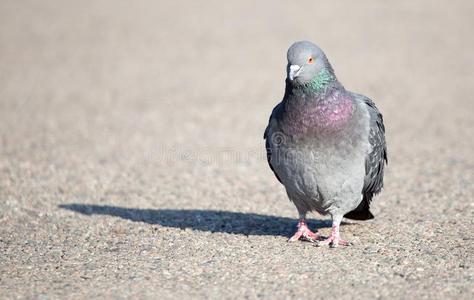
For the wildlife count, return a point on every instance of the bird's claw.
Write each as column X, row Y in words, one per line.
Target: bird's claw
column 333, row 242
column 304, row 233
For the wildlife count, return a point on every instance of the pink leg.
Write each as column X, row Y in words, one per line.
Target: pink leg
column 334, row 240
column 304, row 233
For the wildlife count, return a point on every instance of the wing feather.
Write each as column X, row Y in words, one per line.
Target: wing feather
column 374, row 162
column 268, row 147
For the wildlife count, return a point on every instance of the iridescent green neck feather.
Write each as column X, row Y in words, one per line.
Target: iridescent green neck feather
column 319, row 82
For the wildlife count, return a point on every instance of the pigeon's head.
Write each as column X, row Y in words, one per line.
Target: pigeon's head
column 306, row 62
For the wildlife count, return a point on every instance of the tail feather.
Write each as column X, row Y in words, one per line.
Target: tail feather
column 362, row 212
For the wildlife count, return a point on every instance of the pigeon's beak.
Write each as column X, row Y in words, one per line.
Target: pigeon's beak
column 294, row 71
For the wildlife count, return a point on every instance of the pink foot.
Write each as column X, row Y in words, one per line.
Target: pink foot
column 304, row 233
column 334, row 240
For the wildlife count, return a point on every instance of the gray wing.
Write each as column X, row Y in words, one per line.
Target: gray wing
column 272, row 119
column 374, row 162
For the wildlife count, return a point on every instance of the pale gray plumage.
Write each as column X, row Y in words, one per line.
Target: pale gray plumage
column 326, row 145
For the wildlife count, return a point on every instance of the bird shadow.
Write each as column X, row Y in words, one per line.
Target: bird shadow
column 202, row 220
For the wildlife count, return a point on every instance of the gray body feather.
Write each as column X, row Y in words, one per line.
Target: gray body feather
column 333, row 172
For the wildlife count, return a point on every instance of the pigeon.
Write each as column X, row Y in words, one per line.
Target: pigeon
column 325, row 144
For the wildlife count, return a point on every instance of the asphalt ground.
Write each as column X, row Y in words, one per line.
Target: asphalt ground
column 132, row 161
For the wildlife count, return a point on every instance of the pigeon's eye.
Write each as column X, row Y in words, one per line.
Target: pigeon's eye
column 310, row 60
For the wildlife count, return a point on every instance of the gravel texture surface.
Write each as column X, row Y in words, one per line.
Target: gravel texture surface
column 132, row 162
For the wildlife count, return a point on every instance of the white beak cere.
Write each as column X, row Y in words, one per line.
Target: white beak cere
column 294, row 71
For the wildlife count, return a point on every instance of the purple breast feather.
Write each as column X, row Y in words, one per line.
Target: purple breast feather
column 327, row 115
